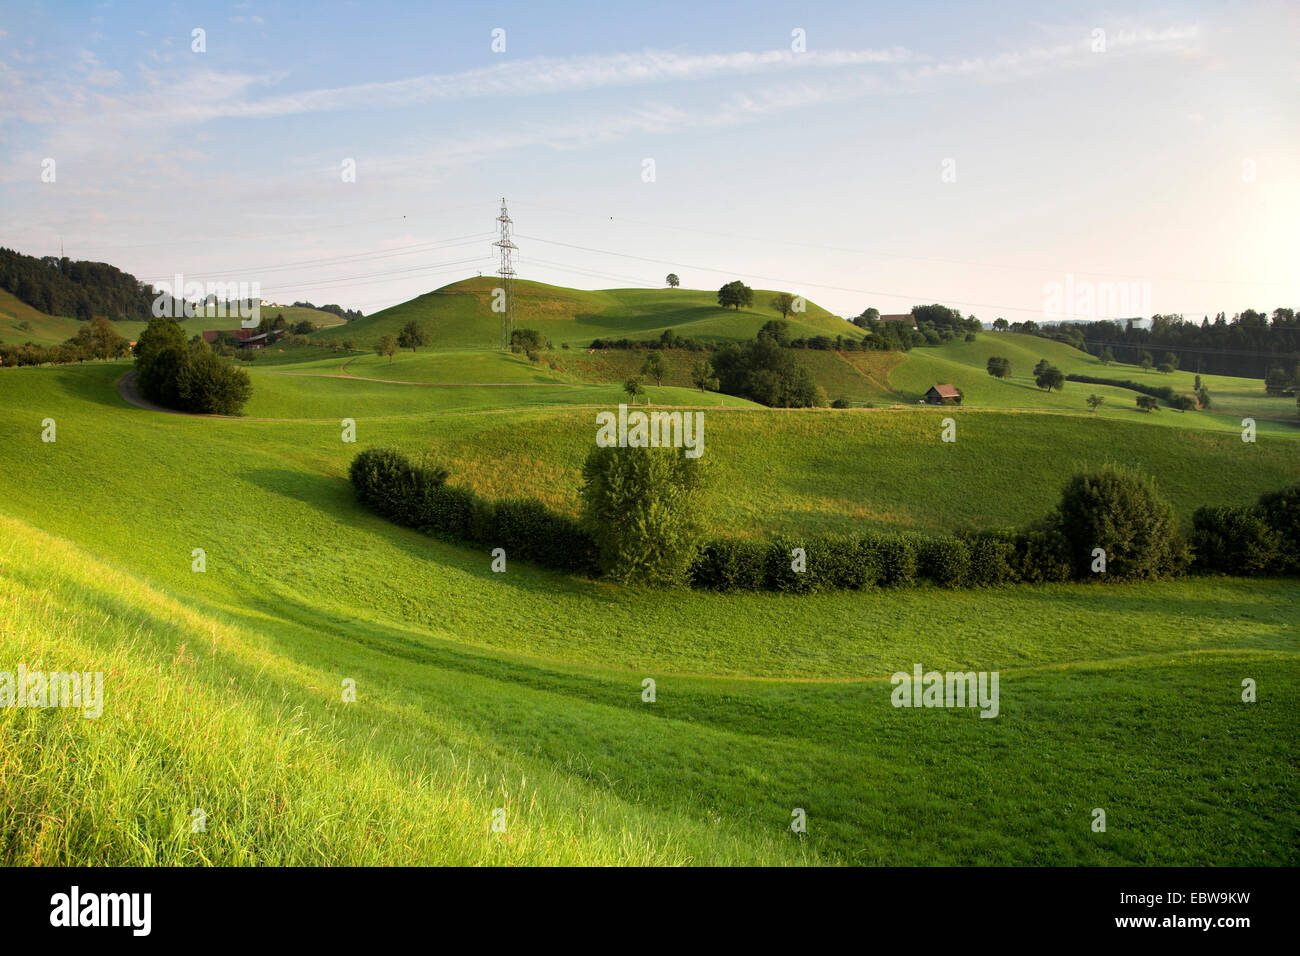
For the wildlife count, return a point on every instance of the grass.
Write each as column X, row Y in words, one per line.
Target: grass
column 479, row 690
column 964, row 364
column 460, row 315
column 45, row 329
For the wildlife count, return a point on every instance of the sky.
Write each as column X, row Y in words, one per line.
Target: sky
column 1014, row 159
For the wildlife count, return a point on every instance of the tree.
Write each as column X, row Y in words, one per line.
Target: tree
column 189, row 378
column 776, row 330
column 160, row 355
column 1170, row 359
column 703, row 378
column 1042, row 364
column 868, row 316
column 387, row 345
column 1050, row 378
column 633, row 387
column 1121, row 513
column 1203, row 396
column 672, row 280
column 529, row 340
column 210, row 385
column 1147, row 403
column 1107, row 356
column 411, row 336
column 654, row 367
column 1164, row 368
column 644, row 508
column 999, row 367
column 782, row 302
column 735, row 294
column 763, row 371
column 1145, row 360
column 98, row 339
column 1000, row 324
column 1094, row 402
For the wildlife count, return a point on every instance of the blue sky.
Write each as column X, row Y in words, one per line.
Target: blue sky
column 979, row 155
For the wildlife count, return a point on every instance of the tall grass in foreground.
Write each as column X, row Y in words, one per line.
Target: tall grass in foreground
column 199, row 715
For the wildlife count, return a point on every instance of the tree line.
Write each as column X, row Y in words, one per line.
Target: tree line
column 1248, row 345
column 60, row 286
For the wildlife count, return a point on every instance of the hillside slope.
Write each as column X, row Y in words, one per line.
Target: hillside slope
column 460, row 315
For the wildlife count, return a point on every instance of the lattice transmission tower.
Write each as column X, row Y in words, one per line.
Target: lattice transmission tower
column 507, row 272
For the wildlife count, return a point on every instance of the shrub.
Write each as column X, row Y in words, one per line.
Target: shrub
column 895, row 556
column 188, row 378
column 1235, row 541
column 390, row 484
column 643, row 507
column 780, row 574
column 847, row 562
column 1281, row 510
column 528, row 530
column 992, row 558
column 1120, row 512
column 1042, row 555
column 731, row 564
column 1155, row 391
column 210, row 385
column 944, row 560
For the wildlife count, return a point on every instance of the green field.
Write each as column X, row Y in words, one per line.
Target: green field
column 460, row 316
column 50, row 329
column 522, row 691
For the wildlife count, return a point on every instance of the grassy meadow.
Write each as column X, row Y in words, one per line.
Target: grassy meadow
column 522, row 691
column 460, row 315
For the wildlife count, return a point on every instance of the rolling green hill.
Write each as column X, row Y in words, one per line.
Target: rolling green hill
column 460, row 315
column 964, row 364
column 20, row 323
column 52, row 329
column 521, row 691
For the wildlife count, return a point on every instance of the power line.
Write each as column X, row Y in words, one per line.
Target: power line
column 818, row 285
column 898, row 255
column 398, row 218
column 341, row 259
column 382, row 276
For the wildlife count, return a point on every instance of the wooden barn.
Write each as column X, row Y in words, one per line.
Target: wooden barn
column 943, row 395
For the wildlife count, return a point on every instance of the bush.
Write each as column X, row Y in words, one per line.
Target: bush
column 390, row 484
column 845, row 562
column 415, row 493
column 992, row 558
column 1281, row 510
column 944, row 560
column 781, row 577
column 210, row 385
column 1120, row 512
column 832, row 562
column 528, row 530
column 1155, row 391
column 643, row 507
column 187, row 378
column 731, row 564
column 1042, row 555
column 1235, row 541
column 895, row 556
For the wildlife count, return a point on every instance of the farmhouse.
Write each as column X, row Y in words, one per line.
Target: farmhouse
column 245, row 338
column 905, row 317
column 943, row 395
